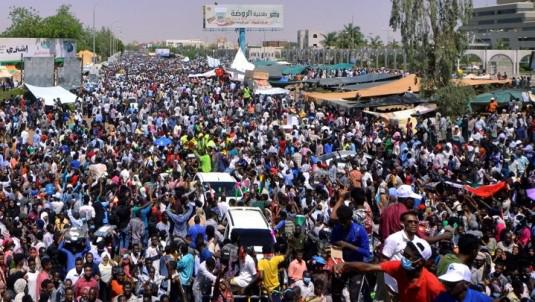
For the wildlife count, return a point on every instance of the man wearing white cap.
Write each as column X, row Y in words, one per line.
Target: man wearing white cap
column 457, row 282
column 415, row 282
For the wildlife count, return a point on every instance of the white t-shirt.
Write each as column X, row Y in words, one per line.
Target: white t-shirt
column 247, row 272
column 73, row 275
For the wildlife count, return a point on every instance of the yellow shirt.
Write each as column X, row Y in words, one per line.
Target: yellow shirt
column 270, row 271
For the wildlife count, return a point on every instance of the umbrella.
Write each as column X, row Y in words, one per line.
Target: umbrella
column 163, row 141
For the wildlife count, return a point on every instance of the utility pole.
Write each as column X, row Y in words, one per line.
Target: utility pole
column 94, row 33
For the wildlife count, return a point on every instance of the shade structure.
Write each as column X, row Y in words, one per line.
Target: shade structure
column 50, row 94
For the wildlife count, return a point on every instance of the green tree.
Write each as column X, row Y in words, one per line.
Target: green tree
column 350, row 37
column 375, row 42
column 453, row 99
column 393, row 44
column 329, row 40
column 431, row 36
column 25, row 22
column 62, row 25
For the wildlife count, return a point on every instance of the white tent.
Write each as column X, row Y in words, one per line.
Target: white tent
column 271, row 91
column 240, row 62
column 49, row 94
column 208, row 74
column 213, row 62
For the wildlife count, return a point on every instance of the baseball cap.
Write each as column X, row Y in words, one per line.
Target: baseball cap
column 423, row 247
column 405, row 191
column 457, row 272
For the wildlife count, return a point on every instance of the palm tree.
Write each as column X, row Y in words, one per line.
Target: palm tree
column 375, row 42
column 394, row 44
column 330, row 39
column 350, row 37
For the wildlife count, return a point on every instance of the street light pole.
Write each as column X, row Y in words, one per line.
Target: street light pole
column 94, row 33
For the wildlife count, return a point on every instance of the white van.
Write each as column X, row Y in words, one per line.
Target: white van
column 249, row 226
column 218, row 184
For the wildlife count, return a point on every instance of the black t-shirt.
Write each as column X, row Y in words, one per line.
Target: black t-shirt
column 10, row 281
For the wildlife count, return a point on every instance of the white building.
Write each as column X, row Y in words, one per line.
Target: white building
column 307, row 38
column 509, row 24
column 264, row 53
column 188, row 42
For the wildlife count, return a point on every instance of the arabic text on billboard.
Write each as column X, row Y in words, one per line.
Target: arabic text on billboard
column 11, row 49
column 242, row 16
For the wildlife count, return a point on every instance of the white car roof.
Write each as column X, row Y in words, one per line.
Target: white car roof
column 216, row 177
column 247, row 218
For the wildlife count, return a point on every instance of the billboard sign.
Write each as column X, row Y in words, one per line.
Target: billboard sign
column 12, row 49
column 230, row 16
column 162, row 52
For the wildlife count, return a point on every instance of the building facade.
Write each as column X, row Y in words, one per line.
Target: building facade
column 271, row 53
column 307, row 38
column 197, row 43
column 510, row 24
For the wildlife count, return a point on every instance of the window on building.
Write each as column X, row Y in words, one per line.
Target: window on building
column 531, row 28
column 507, row 11
column 526, row 39
column 487, row 13
column 314, row 36
column 509, row 20
column 485, row 22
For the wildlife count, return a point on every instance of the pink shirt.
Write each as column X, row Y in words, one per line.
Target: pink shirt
column 296, row 270
column 40, row 278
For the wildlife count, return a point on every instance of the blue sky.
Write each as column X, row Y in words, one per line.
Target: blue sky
column 157, row 20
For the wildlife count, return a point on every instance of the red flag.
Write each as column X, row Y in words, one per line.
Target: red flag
column 486, row 191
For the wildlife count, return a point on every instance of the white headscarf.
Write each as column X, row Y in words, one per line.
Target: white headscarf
column 20, row 287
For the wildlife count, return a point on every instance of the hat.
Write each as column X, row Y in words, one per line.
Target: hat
column 457, row 272
column 480, row 256
column 405, row 191
column 423, row 248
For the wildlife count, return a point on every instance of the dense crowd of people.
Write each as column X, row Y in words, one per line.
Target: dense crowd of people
column 94, row 208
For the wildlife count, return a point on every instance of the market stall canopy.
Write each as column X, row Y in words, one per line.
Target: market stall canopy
column 404, row 114
column 365, row 78
column 406, row 99
column 481, row 82
column 410, row 83
column 502, row 96
column 49, row 94
column 240, row 62
column 330, row 96
column 5, row 74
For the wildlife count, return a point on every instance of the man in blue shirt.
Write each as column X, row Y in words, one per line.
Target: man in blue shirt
column 352, row 238
column 457, row 282
column 185, row 267
column 195, row 231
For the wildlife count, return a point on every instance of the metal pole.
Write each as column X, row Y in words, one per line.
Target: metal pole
column 94, row 33
column 111, row 41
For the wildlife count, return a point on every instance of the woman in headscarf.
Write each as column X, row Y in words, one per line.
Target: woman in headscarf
column 20, row 289
column 106, row 268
